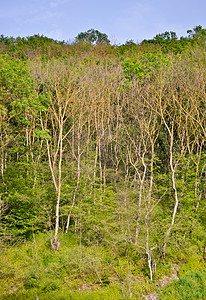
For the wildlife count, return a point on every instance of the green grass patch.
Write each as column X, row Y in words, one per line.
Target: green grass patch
column 189, row 287
column 78, row 271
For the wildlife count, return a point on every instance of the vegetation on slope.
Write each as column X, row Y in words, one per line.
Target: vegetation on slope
column 102, row 150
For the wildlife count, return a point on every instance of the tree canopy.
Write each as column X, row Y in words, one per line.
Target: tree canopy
column 93, row 36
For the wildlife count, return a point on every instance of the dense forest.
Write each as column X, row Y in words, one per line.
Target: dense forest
column 103, row 167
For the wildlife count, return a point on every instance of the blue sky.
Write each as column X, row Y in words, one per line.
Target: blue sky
column 121, row 20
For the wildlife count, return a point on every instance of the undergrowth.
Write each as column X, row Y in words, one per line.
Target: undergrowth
column 80, row 271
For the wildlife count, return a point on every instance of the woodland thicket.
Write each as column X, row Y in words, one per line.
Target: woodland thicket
column 103, row 164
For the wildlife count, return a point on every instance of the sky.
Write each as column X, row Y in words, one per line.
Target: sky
column 121, row 20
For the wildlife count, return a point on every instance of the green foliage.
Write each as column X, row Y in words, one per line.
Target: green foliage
column 17, row 96
column 93, row 36
column 24, row 202
column 191, row 286
column 133, row 69
column 169, row 42
column 145, row 67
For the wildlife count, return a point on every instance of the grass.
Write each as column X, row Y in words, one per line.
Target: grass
column 84, row 272
column 192, row 282
column 105, row 293
column 73, row 272
column 189, row 287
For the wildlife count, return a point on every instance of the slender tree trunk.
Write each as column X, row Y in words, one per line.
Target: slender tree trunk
column 57, row 183
column 172, row 167
column 100, row 167
column 56, row 243
column 2, row 155
column 77, row 184
column 141, row 179
column 148, row 252
column 95, row 170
